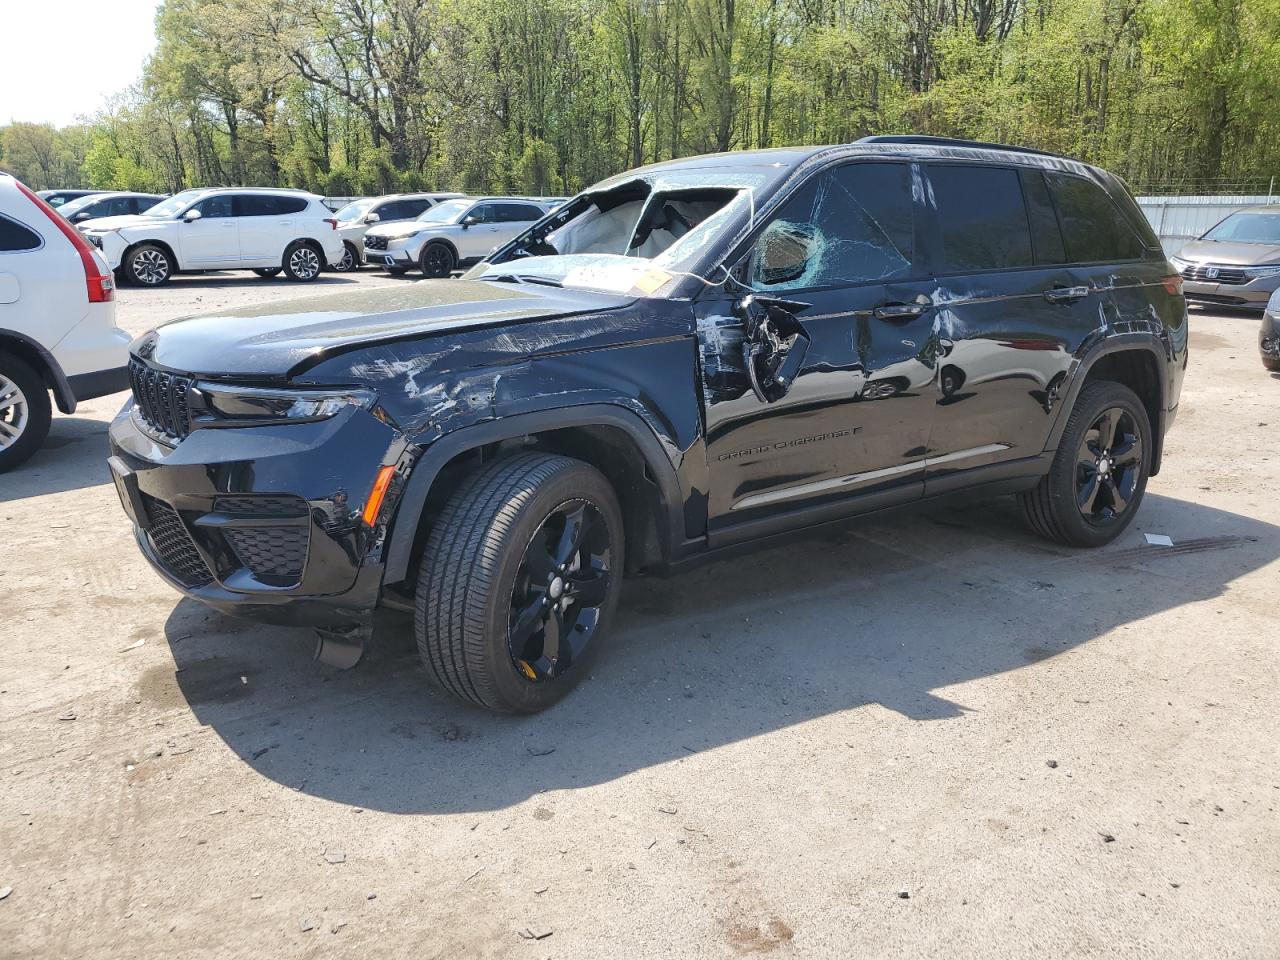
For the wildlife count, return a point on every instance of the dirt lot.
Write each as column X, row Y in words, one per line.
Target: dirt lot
column 930, row 735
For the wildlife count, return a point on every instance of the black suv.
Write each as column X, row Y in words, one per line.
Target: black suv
column 686, row 357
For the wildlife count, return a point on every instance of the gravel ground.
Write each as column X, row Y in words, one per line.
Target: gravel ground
column 929, row 735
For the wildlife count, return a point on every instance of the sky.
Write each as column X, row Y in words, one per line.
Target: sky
column 61, row 59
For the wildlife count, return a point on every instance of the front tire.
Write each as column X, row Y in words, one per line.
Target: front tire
column 349, row 261
column 267, row 272
column 437, row 260
column 302, row 262
column 25, row 411
column 1094, row 487
column 1272, row 365
column 148, row 265
column 519, row 582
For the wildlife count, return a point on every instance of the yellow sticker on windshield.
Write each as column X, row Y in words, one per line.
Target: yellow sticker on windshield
column 647, row 283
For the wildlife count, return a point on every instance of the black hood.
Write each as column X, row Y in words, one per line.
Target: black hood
column 277, row 339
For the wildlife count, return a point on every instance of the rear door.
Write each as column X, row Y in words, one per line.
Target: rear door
column 267, row 225
column 213, row 239
column 1012, row 312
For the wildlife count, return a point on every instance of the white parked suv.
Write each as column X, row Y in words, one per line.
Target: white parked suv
column 359, row 215
column 266, row 231
column 57, row 322
column 450, row 235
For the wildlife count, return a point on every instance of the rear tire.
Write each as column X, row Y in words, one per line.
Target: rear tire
column 267, row 272
column 519, row 582
column 148, row 265
column 437, row 260
column 396, row 271
column 302, row 262
column 1272, row 365
column 1094, row 487
column 350, row 259
column 25, row 411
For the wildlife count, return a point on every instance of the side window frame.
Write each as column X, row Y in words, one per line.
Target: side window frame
column 937, row 249
column 918, row 270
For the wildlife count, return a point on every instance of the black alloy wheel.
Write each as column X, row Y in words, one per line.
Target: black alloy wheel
column 560, row 587
column 1108, row 466
column 1099, row 473
column 437, row 260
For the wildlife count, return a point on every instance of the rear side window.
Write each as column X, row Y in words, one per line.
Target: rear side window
column 518, row 213
column 1046, row 237
column 265, row 205
column 14, row 237
column 846, row 226
column 981, row 217
column 1092, row 226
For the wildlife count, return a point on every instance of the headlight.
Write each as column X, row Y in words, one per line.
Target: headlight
column 255, row 406
column 1257, row 273
column 1179, row 264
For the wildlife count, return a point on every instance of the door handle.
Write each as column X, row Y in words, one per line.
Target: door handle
column 1066, row 294
column 899, row 311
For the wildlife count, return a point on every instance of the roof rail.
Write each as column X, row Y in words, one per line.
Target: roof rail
column 954, row 142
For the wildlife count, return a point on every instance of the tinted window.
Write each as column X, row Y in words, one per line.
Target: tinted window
column 1092, row 226
column 266, row 205
column 115, row 207
column 219, row 206
column 981, row 217
column 518, row 213
column 14, row 236
column 395, row 210
column 1046, row 238
column 850, row 225
column 485, row 212
column 414, row 207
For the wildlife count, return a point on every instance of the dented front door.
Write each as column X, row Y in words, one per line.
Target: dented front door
column 856, row 418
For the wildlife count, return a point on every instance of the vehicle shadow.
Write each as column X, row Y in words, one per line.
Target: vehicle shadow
column 890, row 612
column 72, row 457
column 223, row 278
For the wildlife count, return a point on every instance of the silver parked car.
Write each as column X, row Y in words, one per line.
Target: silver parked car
column 450, row 235
column 1235, row 264
column 358, row 216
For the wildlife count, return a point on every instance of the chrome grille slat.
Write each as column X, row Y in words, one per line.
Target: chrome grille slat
column 1199, row 272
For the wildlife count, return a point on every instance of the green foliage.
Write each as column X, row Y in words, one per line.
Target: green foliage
column 546, row 96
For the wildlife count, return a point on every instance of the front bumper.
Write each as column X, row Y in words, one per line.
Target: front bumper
column 1251, row 296
column 264, row 522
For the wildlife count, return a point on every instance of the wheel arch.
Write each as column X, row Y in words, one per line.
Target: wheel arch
column 1137, row 361
column 444, row 242
column 44, row 363
column 162, row 244
column 311, row 242
column 611, row 438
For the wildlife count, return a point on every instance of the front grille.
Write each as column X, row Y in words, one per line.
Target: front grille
column 262, row 506
column 1200, row 272
column 173, row 545
column 274, row 555
column 375, row 243
column 163, row 399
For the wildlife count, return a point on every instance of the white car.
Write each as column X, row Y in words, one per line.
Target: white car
column 57, row 322
column 359, row 215
column 266, row 231
column 450, row 235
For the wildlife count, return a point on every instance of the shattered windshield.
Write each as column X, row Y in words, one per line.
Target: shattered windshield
column 639, row 233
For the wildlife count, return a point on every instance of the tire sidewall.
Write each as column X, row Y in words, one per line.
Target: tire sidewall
column 350, row 260
column 39, row 411
column 1092, row 402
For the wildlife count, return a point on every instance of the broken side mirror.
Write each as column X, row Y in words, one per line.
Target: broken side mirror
column 774, row 344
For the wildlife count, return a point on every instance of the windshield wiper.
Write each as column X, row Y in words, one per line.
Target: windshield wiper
column 524, row 278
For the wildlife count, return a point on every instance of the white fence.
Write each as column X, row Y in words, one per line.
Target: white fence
column 1179, row 219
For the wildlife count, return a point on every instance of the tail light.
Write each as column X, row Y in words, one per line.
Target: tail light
column 101, row 286
column 1172, row 284
column 333, row 224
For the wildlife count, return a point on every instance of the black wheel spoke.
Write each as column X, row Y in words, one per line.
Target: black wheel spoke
column 591, row 590
column 575, row 523
column 1107, row 429
column 554, row 649
column 527, row 622
column 1088, row 495
column 1127, row 451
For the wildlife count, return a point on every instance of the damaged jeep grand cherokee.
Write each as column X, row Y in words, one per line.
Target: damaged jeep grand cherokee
column 684, row 358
